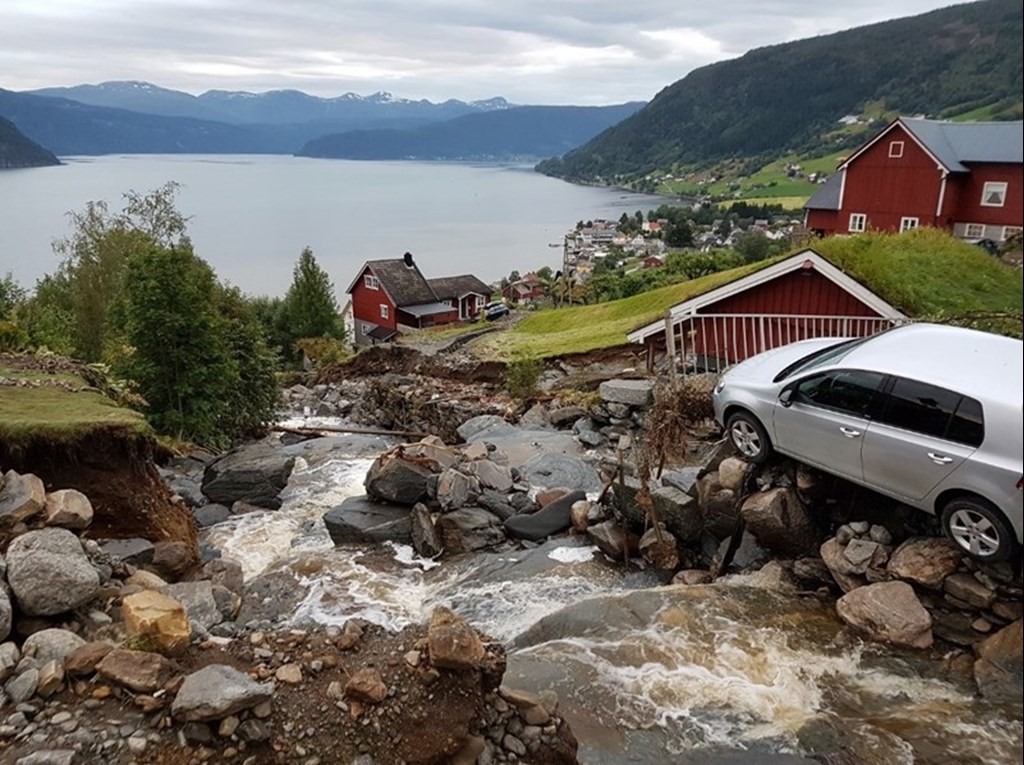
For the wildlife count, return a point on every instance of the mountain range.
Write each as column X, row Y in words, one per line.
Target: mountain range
column 16, row 150
column 963, row 61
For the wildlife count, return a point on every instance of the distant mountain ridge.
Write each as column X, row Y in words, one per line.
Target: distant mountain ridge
column 17, row 150
column 273, row 107
column 960, row 60
column 522, row 132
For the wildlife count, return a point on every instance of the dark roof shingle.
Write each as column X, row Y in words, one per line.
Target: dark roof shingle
column 452, row 287
column 956, row 144
column 827, row 195
column 404, row 283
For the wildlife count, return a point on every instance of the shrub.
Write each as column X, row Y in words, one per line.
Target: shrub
column 522, row 375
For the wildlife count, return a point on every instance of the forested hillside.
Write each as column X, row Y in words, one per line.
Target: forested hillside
column 17, row 150
column 791, row 97
column 530, row 131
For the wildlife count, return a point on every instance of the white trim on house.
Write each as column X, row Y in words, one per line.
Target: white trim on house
column 842, row 188
column 974, row 231
column 371, row 282
column 994, row 187
column 793, row 263
column 858, row 223
column 384, row 311
column 909, row 223
column 896, row 149
column 883, row 134
column 1009, row 231
column 942, row 195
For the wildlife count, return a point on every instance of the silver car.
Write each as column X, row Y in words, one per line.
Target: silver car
column 927, row 414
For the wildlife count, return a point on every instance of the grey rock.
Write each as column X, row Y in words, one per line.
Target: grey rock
column 255, row 474
column 216, row 691
column 199, row 602
column 860, row 527
column 968, row 589
column 469, row 529
column 49, row 572
column 394, row 479
column 455, row 489
column 136, row 550
column 426, row 540
column 749, row 556
column 632, row 392
column 562, row 416
column 887, row 611
column 483, row 426
column 226, row 572
column 684, row 479
column 497, row 503
column 550, row 470
column 844, row 534
column 21, row 497
column 861, row 552
column 1000, row 665
column 611, row 539
column 678, row 511
column 880, row 534
column 491, row 475
column 50, row 757
column 9, row 658
column 51, row 645
column 592, row 438
column 22, row 686
column 551, row 519
column 69, row 509
column 211, row 515
column 6, row 613
column 781, row 522
column 358, row 520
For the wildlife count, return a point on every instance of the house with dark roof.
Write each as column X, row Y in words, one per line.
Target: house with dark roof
column 392, row 295
column 526, row 289
column 963, row 177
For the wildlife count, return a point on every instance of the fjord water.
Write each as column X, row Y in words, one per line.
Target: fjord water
column 735, row 673
column 252, row 215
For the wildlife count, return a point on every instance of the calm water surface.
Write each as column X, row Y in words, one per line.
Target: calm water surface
column 252, row 215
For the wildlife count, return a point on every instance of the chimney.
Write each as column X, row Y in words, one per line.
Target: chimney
column 408, row 260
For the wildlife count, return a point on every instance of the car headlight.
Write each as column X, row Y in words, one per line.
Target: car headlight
column 719, row 386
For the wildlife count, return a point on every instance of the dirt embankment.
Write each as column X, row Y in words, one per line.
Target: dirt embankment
column 397, row 359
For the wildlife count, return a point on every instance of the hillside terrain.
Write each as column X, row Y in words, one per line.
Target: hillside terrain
column 18, row 150
column 531, row 131
column 816, row 96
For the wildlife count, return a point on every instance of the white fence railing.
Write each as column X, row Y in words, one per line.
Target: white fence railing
column 711, row 342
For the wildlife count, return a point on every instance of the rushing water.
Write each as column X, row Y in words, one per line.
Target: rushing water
column 734, row 672
column 252, row 215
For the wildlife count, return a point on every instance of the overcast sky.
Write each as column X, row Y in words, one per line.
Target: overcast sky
column 530, row 51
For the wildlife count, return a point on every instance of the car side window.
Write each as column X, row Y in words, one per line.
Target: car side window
column 849, row 391
column 968, row 423
column 929, row 409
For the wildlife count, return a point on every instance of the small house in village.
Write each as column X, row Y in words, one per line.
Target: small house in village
column 390, row 295
column 800, row 297
column 526, row 289
column 964, row 177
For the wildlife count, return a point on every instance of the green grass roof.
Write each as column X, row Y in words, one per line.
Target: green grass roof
column 923, row 273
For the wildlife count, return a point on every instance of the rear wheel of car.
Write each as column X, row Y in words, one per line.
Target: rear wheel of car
column 978, row 528
column 748, row 436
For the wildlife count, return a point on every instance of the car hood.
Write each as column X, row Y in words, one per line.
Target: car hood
column 764, row 366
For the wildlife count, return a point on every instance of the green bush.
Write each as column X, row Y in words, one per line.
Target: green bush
column 522, row 375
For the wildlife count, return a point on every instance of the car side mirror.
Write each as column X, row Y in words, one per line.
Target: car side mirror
column 786, row 397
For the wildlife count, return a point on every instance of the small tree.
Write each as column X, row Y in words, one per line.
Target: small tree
column 310, row 308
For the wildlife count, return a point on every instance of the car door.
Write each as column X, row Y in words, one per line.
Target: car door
column 824, row 417
column 921, row 434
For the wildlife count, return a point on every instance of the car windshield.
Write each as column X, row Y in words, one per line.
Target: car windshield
column 820, row 358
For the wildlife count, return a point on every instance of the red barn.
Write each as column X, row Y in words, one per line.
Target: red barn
column 389, row 295
column 801, row 297
column 964, row 177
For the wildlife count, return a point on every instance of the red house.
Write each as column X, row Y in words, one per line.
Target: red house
column 964, row 177
column 524, row 290
column 801, row 297
column 389, row 295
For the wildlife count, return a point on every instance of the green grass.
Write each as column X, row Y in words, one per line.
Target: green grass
column 49, row 413
column 788, row 203
column 924, row 273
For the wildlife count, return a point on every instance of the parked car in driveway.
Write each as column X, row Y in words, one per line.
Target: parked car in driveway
column 927, row 414
column 495, row 310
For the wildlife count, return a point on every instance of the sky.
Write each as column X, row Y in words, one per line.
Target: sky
column 529, row 51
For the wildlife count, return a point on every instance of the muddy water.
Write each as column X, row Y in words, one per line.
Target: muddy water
column 728, row 673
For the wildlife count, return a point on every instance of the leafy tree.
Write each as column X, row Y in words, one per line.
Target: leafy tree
column 754, row 245
column 310, row 308
column 678, row 234
column 47, row 315
column 11, row 296
column 544, row 273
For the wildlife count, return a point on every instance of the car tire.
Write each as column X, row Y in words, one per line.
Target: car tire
column 748, row 436
column 978, row 528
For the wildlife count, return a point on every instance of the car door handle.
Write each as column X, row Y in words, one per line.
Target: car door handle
column 939, row 459
column 849, row 432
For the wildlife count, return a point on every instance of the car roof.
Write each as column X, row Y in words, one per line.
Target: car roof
column 977, row 364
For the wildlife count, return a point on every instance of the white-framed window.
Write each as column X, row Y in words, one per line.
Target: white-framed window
column 371, row 282
column 367, row 328
column 383, row 311
column 993, row 194
column 895, row 149
column 908, row 224
column 974, row 231
column 1009, row 231
column 858, row 223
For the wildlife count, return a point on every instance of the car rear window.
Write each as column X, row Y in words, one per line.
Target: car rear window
column 933, row 411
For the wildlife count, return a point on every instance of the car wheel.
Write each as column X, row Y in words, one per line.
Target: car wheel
column 977, row 527
column 749, row 436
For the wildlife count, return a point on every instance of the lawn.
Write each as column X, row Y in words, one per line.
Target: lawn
column 924, row 273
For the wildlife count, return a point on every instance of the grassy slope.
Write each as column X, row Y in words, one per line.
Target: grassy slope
column 924, row 273
column 54, row 414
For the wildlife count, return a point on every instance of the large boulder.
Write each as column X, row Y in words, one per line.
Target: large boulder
column 553, row 518
column 452, row 643
column 613, row 541
column 254, row 474
column 426, row 540
column 780, row 521
column 632, row 392
column 846, row 574
column 455, row 489
column 492, row 475
column 393, row 478
column 925, row 560
column 678, row 511
column 550, row 470
column 217, row 691
column 469, row 529
column 717, row 506
column 159, row 618
column 69, row 509
column 481, row 427
column 141, row 671
column 49, row 572
column 199, row 602
column 998, row 670
column 357, row 519
column 51, row 645
column 21, row 497
column 887, row 611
